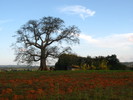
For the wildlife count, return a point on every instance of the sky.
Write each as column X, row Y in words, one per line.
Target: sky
column 106, row 25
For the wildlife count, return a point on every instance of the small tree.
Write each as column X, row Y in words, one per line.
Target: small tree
column 66, row 61
column 38, row 40
column 103, row 65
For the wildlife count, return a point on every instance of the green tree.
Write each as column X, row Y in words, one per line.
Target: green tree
column 98, row 62
column 38, row 40
column 103, row 65
column 65, row 61
column 114, row 64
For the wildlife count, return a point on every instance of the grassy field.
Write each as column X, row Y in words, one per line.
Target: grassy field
column 66, row 85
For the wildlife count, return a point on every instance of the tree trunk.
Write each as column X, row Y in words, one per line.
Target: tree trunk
column 43, row 65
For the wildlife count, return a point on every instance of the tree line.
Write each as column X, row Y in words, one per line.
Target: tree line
column 67, row 61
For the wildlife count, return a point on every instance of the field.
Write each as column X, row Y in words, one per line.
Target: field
column 66, row 85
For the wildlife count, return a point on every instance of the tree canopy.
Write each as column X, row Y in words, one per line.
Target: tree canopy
column 37, row 40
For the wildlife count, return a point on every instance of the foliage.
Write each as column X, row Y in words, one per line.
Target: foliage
column 114, row 63
column 66, row 61
column 103, row 65
column 84, row 67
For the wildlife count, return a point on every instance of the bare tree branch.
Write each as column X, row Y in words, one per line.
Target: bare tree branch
column 39, row 39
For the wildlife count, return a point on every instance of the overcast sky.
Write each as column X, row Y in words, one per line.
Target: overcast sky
column 106, row 25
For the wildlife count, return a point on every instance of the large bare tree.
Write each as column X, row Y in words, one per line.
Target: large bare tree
column 38, row 40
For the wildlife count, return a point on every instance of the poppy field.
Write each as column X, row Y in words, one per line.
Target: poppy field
column 66, row 85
